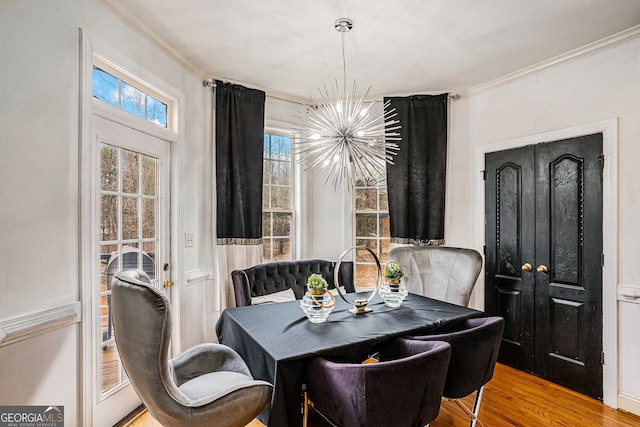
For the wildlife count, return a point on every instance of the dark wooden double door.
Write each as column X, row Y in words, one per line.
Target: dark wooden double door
column 543, row 236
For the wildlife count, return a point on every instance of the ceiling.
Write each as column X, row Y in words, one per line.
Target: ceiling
column 290, row 47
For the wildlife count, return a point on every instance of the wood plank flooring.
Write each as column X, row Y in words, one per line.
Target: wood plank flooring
column 512, row 398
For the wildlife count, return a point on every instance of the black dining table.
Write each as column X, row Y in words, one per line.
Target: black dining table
column 275, row 339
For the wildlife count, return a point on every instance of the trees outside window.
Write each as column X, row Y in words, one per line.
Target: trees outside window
column 371, row 228
column 277, row 199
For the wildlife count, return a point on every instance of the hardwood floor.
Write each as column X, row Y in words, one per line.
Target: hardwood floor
column 512, row 398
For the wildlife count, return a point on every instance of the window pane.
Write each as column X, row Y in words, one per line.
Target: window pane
column 281, row 249
column 148, row 263
column 108, row 168
column 280, row 147
column 366, row 199
column 267, row 146
column 281, row 172
column 108, row 217
column 149, row 166
column 130, row 172
column 107, row 266
column 281, row 198
column 366, row 275
column 110, row 367
column 149, row 258
column 105, row 87
column 366, row 225
column 130, row 218
column 266, row 224
column 133, row 100
column 156, row 111
column 267, row 171
column 266, row 250
column 281, row 224
column 148, row 218
column 364, row 255
column 384, row 200
column 266, row 199
column 384, row 250
column 385, row 230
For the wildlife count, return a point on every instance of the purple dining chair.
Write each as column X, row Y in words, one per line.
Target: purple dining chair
column 403, row 389
column 474, row 352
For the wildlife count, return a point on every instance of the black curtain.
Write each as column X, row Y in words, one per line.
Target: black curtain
column 239, row 146
column 417, row 179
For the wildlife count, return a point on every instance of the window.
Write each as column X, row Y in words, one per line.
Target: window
column 277, row 199
column 114, row 91
column 372, row 228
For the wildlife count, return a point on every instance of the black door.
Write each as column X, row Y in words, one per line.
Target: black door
column 544, row 258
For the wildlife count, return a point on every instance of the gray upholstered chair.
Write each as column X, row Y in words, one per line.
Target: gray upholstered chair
column 440, row 272
column 206, row 385
column 403, row 389
column 474, row 352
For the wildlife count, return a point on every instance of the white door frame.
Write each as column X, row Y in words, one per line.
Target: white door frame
column 609, row 130
column 90, row 47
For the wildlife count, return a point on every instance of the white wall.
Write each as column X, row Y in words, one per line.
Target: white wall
column 39, row 182
column 603, row 86
column 39, row 150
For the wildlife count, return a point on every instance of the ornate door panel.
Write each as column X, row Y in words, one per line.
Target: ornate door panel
column 510, row 245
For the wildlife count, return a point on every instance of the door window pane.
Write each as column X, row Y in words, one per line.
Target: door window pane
column 118, row 93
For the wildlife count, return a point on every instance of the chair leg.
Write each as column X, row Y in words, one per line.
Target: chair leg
column 476, row 407
column 472, row 414
column 305, row 408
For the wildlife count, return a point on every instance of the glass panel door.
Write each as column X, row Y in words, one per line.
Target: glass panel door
column 133, row 224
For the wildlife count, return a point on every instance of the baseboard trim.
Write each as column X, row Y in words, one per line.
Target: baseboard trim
column 628, row 404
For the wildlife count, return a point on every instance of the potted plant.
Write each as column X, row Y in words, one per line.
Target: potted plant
column 316, row 284
column 393, row 292
column 393, row 272
column 317, row 302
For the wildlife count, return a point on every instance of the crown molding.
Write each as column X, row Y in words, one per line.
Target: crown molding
column 562, row 59
column 121, row 11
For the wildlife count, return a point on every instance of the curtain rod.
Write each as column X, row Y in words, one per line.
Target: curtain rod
column 293, row 98
column 282, row 96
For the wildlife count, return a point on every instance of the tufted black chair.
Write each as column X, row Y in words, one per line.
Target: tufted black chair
column 268, row 278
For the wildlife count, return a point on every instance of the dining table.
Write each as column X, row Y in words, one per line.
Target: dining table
column 275, row 339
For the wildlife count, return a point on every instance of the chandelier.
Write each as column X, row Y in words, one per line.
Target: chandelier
column 344, row 135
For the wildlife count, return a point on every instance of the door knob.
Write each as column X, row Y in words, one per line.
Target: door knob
column 168, row 284
column 527, row 267
column 542, row 269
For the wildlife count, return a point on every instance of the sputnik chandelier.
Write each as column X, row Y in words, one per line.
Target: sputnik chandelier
column 343, row 135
